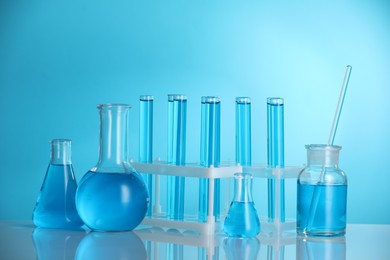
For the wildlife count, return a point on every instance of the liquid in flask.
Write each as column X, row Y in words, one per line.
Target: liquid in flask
column 112, row 196
column 55, row 206
column 242, row 219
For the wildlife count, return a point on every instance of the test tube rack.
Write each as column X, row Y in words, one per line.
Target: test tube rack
column 211, row 226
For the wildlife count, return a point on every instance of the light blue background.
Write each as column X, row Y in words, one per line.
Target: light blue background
column 58, row 59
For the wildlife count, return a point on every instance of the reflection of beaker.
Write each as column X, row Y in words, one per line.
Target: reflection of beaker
column 241, row 248
column 330, row 248
column 112, row 196
column 111, row 245
column 55, row 206
column 242, row 219
column 56, row 243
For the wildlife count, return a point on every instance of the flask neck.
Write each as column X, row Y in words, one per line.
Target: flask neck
column 243, row 187
column 113, row 156
column 61, row 151
column 323, row 155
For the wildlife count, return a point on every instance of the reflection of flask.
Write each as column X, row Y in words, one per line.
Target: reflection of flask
column 329, row 248
column 241, row 248
column 242, row 219
column 56, row 243
column 112, row 196
column 55, row 206
column 322, row 193
column 111, row 245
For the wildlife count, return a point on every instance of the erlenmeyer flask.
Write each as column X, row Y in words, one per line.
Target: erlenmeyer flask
column 112, row 196
column 242, row 219
column 55, row 206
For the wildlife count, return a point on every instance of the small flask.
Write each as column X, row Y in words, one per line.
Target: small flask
column 242, row 219
column 55, row 206
column 322, row 193
column 112, row 196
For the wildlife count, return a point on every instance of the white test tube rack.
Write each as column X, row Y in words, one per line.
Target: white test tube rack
column 211, row 227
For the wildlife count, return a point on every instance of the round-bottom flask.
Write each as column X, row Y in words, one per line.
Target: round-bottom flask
column 322, row 193
column 242, row 219
column 112, row 196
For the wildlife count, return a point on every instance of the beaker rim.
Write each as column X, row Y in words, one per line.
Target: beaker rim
column 113, row 106
column 316, row 147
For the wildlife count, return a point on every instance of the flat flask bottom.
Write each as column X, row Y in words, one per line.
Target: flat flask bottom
column 242, row 220
column 55, row 206
column 112, row 201
column 328, row 216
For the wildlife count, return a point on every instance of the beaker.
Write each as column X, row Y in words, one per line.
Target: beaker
column 178, row 128
column 242, row 219
column 322, row 193
column 55, row 206
column 112, row 196
column 146, row 141
column 209, row 153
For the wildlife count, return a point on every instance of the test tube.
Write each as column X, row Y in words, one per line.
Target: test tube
column 243, row 131
column 146, row 141
column 275, row 140
column 176, row 184
column 209, row 153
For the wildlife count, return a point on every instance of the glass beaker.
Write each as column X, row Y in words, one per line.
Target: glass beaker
column 322, row 193
column 112, row 196
column 55, row 206
column 242, row 219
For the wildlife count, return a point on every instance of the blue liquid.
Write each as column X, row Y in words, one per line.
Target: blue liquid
column 146, row 143
column 112, row 201
column 242, row 220
column 176, row 184
column 275, row 133
column 55, row 206
column 329, row 216
column 243, row 134
column 209, row 155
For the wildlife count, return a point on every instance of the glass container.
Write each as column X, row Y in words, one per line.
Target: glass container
column 209, row 153
column 112, row 196
column 242, row 219
column 322, row 193
column 55, row 206
column 243, row 131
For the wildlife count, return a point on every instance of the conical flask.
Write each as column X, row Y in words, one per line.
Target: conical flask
column 55, row 206
column 242, row 219
column 112, row 196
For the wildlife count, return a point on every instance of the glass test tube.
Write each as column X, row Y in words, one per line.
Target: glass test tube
column 243, row 131
column 177, row 126
column 146, row 141
column 209, row 153
column 275, row 140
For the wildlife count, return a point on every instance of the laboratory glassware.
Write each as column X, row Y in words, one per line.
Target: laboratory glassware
column 322, row 193
column 146, row 142
column 241, row 248
column 242, row 219
column 275, row 141
column 112, row 196
column 176, row 184
column 321, row 248
column 243, row 131
column 55, row 206
column 209, row 153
